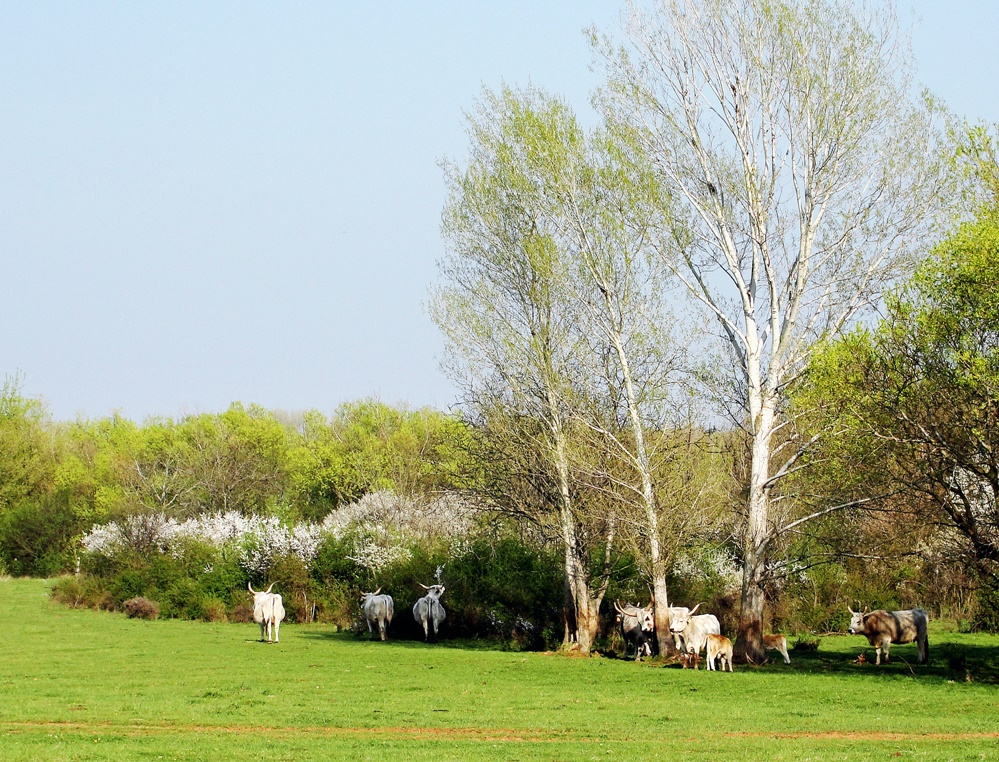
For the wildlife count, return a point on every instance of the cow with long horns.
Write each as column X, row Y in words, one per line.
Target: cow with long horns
column 638, row 628
column 268, row 612
column 378, row 611
column 428, row 610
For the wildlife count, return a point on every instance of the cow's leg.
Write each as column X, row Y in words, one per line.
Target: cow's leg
column 263, row 631
column 877, row 650
column 783, row 652
column 277, row 630
column 887, row 647
column 381, row 629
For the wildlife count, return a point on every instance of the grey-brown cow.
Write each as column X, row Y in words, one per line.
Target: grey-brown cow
column 882, row 628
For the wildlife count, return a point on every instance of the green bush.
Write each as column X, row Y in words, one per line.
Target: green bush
column 986, row 617
column 36, row 537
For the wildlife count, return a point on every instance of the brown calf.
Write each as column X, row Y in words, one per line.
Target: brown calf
column 776, row 642
column 719, row 647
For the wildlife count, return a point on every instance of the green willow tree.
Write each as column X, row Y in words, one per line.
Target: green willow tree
column 804, row 175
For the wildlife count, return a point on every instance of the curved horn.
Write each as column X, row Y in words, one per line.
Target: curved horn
column 248, row 587
column 377, row 591
column 695, row 609
column 850, row 610
column 422, row 585
column 617, row 607
column 269, row 588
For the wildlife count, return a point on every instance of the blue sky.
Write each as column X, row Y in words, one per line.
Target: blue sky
column 209, row 202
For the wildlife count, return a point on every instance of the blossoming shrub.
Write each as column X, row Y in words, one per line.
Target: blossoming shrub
column 199, row 568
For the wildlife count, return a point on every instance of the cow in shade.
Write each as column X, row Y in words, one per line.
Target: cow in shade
column 882, row 628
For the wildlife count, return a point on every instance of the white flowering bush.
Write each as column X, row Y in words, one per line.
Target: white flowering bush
column 381, row 527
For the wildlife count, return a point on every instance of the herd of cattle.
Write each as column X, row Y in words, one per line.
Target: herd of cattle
column 692, row 632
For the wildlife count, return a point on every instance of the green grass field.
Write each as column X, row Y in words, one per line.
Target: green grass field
column 80, row 684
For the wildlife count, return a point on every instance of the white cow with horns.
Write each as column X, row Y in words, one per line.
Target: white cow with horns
column 268, row 612
column 694, row 630
column 428, row 610
column 378, row 610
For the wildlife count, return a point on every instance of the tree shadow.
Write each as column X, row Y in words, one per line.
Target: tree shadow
column 948, row 661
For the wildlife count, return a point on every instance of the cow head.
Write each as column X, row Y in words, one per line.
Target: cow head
column 434, row 591
column 365, row 596
column 679, row 619
column 856, row 621
column 259, row 596
column 647, row 619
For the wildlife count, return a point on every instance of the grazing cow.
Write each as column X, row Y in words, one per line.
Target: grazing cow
column 428, row 610
column 695, row 630
column 378, row 611
column 883, row 628
column 776, row 642
column 268, row 612
column 638, row 627
column 719, row 647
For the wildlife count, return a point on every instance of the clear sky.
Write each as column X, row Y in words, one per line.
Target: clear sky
column 209, row 202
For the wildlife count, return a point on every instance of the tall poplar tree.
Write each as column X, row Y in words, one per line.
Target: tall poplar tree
column 804, row 172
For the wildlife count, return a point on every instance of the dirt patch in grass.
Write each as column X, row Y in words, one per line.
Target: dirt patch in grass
column 510, row 735
column 450, row 734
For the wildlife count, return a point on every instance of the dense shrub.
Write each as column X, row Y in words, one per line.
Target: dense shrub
column 36, row 536
column 140, row 608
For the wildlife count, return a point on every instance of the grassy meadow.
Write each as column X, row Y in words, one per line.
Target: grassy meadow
column 79, row 684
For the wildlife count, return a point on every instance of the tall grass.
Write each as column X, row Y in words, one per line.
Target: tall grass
column 82, row 684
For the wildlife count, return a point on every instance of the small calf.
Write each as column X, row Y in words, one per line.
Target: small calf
column 776, row 642
column 719, row 647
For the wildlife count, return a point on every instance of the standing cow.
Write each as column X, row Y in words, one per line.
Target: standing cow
column 777, row 642
column 268, row 612
column 428, row 610
column 882, row 628
column 720, row 648
column 674, row 612
column 638, row 628
column 694, row 631
column 378, row 611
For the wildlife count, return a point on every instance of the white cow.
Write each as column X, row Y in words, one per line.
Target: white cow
column 677, row 611
column 428, row 610
column 695, row 630
column 268, row 612
column 378, row 610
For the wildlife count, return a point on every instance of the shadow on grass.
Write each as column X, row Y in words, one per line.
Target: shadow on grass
column 949, row 661
column 347, row 638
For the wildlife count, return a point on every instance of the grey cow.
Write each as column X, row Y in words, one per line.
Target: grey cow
column 638, row 628
column 882, row 628
column 428, row 610
column 378, row 611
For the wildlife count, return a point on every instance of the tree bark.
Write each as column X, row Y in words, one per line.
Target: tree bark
column 749, row 642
